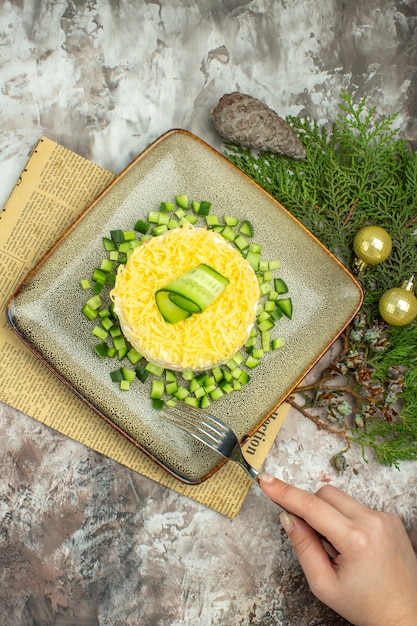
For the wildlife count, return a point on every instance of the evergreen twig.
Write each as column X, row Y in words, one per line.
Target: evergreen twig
column 356, row 172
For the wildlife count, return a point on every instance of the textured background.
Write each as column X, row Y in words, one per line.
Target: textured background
column 83, row 540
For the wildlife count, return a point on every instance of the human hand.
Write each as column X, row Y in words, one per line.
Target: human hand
column 372, row 579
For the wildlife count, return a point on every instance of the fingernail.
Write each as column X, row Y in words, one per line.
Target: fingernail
column 266, row 478
column 286, row 521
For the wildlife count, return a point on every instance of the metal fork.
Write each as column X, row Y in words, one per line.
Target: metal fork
column 211, row 431
column 218, row 436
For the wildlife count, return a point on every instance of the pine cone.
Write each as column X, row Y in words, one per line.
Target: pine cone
column 244, row 120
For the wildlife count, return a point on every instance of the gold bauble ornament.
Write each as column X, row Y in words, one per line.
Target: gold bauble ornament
column 398, row 306
column 372, row 245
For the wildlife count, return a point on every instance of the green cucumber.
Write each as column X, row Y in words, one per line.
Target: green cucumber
column 182, row 201
column 190, row 293
column 285, row 305
column 280, row 286
column 169, row 310
column 246, row 228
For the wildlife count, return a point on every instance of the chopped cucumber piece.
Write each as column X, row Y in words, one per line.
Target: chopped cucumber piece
column 119, row 342
column 216, row 393
column 241, row 243
column 166, row 207
column 192, row 219
column 274, row 265
column 226, row 387
column 117, row 236
column 182, row 201
column 253, row 258
column 277, row 343
column 191, row 401
column 157, row 389
column 99, row 275
column 280, row 286
column 170, row 376
column 285, row 305
column 229, row 233
column 153, row 217
column 107, row 323
column 141, row 373
column 159, row 230
column 263, row 316
column 109, row 244
column 121, row 353
column 205, row 402
column 194, row 385
column 258, row 353
column 117, row 376
column 134, row 356
column 209, row 382
column 89, row 312
column 195, row 206
column 171, row 388
column 101, row 350
column 201, row 208
column 200, row 392
column 156, row 370
column 244, row 378
column 212, row 220
column 128, row 374
column 142, row 227
column 266, row 325
column 246, row 228
column 255, row 247
column 99, row 332
column 266, row 341
column 181, row 393
column 217, row 374
column 251, row 362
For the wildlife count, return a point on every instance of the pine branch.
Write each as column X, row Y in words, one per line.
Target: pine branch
column 357, row 172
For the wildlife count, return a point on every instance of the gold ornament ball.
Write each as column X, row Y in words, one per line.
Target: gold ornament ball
column 398, row 306
column 372, row 245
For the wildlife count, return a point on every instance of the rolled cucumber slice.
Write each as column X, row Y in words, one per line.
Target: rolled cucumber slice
column 190, row 293
column 168, row 309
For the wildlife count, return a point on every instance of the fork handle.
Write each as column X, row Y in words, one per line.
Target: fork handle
column 251, row 471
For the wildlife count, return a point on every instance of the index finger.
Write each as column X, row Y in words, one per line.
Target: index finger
column 318, row 513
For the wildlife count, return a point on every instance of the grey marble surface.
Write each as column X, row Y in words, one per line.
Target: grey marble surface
column 83, row 540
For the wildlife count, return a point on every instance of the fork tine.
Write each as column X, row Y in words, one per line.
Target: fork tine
column 201, row 432
column 199, row 418
column 210, row 431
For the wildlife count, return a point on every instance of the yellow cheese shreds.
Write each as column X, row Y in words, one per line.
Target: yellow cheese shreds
column 204, row 339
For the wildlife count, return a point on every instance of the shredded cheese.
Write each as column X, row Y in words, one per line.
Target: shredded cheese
column 205, row 339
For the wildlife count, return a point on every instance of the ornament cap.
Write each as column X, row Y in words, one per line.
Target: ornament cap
column 408, row 285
